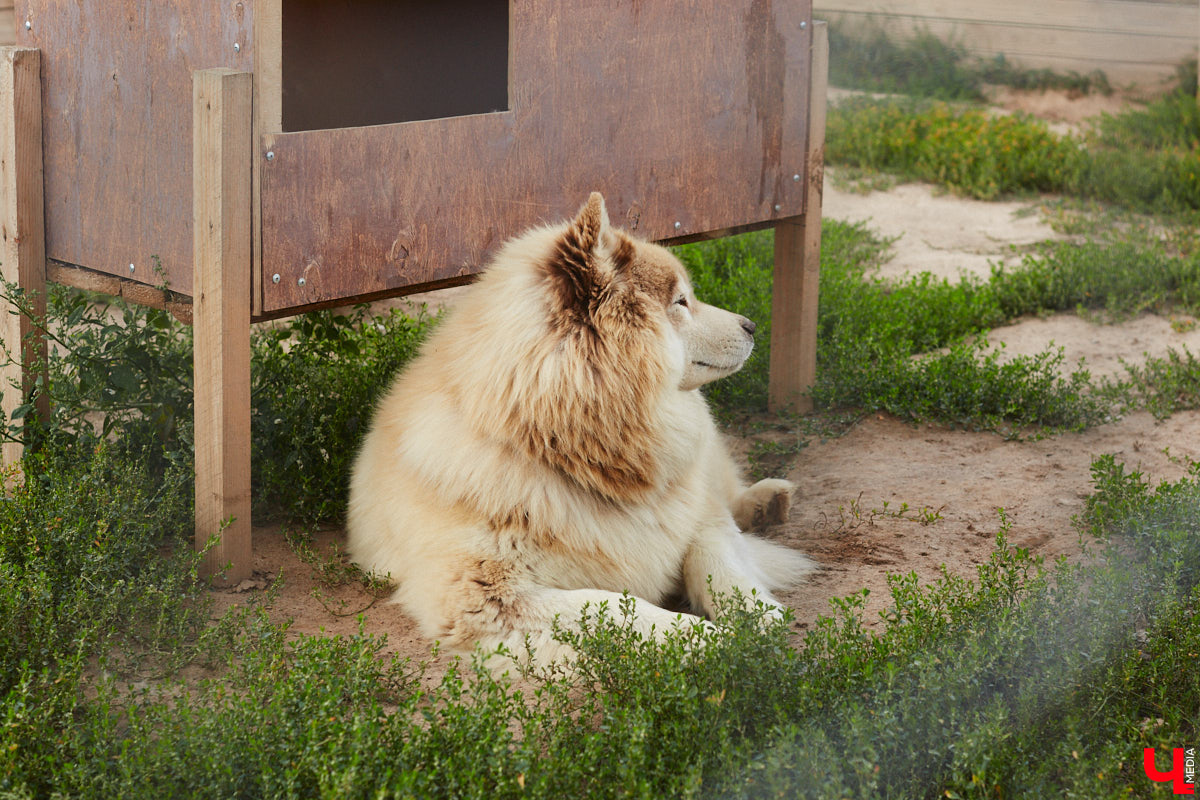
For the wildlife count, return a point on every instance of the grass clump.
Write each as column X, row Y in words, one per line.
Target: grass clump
column 965, row 150
column 1142, row 159
column 1118, row 278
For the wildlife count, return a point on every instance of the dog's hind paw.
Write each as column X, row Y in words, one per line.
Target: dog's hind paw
column 765, row 503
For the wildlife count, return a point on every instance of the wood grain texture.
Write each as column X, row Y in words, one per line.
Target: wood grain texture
column 793, row 368
column 22, row 232
column 1131, row 41
column 677, row 113
column 117, row 93
column 221, row 165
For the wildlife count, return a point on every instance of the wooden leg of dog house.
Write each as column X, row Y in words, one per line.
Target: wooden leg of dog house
column 221, row 177
column 22, row 228
column 797, row 262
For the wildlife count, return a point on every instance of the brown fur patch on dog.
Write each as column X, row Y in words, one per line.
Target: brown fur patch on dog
column 594, row 419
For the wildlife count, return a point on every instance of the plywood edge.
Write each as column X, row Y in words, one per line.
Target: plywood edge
column 268, row 118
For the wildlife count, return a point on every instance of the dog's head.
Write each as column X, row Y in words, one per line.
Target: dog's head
column 576, row 343
column 610, row 284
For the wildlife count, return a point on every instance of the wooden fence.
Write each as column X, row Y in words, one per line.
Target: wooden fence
column 1132, row 41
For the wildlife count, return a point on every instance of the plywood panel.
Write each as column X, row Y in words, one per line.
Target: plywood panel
column 1140, row 42
column 689, row 117
column 117, row 91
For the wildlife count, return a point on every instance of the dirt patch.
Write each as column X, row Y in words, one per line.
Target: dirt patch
column 953, row 484
column 936, row 232
column 887, row 497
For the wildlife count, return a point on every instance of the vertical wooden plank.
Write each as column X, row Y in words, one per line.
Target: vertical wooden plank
column 268, row 117
column 221, row 174
column 797, row 260
column 22, row 226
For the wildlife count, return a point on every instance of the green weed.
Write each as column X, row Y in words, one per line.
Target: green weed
column 1146, row 160
column 316, row 381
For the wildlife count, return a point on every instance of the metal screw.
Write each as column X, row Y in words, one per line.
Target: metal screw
column 803, row 24
column 237, row 47
column 301, row 282
column 796, row 177
column 678, row 225
column 270, row 155
column 28, row 25
column 275, row 278
column 778, row 207
column 131, row 268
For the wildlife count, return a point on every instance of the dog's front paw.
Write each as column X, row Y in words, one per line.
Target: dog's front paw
column 765, row 503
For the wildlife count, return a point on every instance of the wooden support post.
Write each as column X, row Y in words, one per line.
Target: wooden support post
column 221, row 217
column 22, row 229
column 797, row 261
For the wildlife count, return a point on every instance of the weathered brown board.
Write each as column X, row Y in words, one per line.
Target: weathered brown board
column 689, row 117
column 117, row 93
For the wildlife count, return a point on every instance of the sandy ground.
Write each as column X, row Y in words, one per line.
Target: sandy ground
column 850, row 489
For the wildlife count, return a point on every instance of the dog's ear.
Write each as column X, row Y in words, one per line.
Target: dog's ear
column 574, row 267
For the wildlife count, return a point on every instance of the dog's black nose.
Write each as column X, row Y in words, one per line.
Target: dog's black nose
column 748, row 326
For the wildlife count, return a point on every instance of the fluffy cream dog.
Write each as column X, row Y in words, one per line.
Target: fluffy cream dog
column 549, row 449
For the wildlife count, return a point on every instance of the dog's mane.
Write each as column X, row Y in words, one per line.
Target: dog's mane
column 603, row 370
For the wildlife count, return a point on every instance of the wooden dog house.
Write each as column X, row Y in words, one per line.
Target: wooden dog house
column 277, row 156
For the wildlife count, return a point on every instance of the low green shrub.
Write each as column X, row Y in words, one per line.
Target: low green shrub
column 94, row 576
column 122, row 373
column 315, row 382
column 1142, row 159
column 963, row 149
column 1025, row 681
column 1120, row 277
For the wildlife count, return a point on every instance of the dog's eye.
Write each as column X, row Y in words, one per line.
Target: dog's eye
column 682, row 301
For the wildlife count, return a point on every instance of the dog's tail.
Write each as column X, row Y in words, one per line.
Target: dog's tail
column 780, row 567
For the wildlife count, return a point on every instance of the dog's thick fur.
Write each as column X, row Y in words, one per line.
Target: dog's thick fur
column 549, row 448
